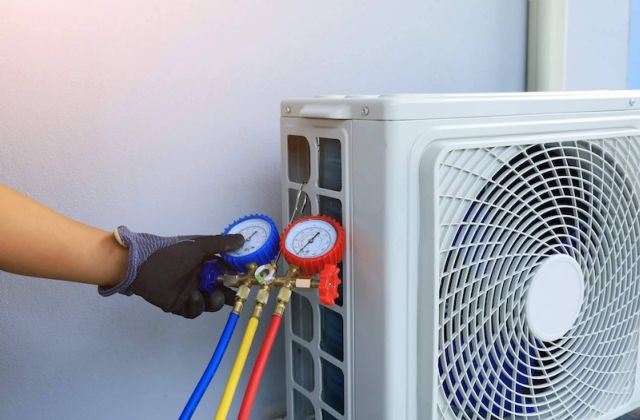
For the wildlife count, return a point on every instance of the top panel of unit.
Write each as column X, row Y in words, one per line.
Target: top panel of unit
column 426, row 106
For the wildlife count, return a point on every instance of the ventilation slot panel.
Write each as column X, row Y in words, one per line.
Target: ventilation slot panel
column 315, row 331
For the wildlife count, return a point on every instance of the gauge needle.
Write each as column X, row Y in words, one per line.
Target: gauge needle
column 251, row 236
column 309, row 242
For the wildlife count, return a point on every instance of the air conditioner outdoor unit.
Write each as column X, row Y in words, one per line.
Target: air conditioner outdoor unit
column 492, row 258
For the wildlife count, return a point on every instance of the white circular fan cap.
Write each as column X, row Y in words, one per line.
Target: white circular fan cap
column 554, row 297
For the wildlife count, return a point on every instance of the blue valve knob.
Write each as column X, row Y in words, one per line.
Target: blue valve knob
column 209, row 274
column 262, row 241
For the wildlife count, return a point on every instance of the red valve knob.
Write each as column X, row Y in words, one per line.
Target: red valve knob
column 328, row 287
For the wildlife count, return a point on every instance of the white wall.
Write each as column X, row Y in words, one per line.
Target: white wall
column 163, row 115
column 597, row 44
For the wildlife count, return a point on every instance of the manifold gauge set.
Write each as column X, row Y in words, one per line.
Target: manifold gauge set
column 312, row 246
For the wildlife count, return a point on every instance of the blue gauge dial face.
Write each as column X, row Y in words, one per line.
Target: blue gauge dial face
column 255, row 232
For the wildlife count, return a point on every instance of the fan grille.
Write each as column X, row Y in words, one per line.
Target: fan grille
column 503, row 211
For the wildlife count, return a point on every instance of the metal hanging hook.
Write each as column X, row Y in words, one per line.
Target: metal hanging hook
column 297, row 210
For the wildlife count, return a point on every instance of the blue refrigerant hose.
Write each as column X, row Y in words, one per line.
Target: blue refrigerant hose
column 210, row 371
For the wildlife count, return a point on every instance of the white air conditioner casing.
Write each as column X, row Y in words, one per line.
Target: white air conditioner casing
column 492, row 255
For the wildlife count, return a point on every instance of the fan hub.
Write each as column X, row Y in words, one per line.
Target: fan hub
column 554, row 297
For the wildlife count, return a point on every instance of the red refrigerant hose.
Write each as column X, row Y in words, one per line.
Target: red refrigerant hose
column 258, row 368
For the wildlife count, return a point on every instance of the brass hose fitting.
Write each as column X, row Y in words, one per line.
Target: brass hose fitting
column 284, row 295
column 261, row 299
column 241, row 297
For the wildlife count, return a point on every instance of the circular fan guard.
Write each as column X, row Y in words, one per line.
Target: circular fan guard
column 505, row 210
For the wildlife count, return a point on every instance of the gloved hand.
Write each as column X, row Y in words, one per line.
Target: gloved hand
column 165, row 271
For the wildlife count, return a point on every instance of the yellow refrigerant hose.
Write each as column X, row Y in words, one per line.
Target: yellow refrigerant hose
column 232, row 384
column 236, row 372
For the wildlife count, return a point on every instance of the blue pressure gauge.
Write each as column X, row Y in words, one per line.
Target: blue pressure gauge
column 261, row 241
column 261, row 244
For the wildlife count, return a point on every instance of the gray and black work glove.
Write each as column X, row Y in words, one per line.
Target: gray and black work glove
column 164, row 271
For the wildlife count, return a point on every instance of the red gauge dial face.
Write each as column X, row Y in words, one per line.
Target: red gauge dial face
column 311, row 239
column 311, row 242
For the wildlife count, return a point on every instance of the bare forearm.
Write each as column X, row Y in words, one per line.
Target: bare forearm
column 36, row 241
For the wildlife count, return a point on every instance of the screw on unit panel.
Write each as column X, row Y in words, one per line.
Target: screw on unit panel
column 632, row 102
column 365, row 111
column 288, row 110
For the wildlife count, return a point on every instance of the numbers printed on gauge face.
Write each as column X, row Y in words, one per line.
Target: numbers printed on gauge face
column 255, row 232
column 311, row 239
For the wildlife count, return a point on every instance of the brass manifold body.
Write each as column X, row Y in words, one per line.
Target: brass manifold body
column 254, row 277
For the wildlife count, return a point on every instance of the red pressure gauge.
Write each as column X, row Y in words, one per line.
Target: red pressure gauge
column 313, row 242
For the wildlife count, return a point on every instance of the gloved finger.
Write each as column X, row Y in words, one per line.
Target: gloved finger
column 227, row 268
column 219, row 243
column 220, row 297
column 229, row 296
column 193, row 306
column 214, row 302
